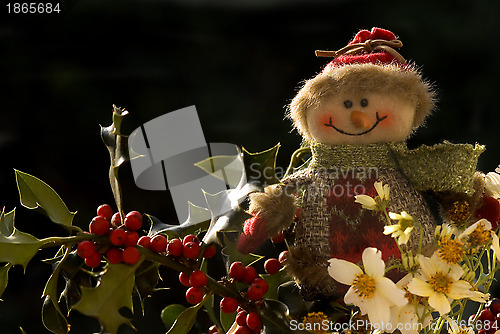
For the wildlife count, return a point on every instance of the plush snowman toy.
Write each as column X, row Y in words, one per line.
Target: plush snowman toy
column 356, row 116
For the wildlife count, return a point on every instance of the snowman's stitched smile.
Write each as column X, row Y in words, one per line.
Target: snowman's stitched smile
column 379, row 119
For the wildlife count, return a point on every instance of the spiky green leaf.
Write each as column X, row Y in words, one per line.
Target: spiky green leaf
column 113, row 292
column 38, row 195
column 260, row 167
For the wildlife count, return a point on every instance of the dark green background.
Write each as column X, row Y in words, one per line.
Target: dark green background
column 239, row 62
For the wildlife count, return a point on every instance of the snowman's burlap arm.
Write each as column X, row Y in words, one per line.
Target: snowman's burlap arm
column 444, row 167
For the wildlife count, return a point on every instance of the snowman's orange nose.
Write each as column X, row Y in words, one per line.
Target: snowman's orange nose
column 360, row 120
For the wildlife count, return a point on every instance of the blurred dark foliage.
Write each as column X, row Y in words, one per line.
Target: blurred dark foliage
column 239, row 62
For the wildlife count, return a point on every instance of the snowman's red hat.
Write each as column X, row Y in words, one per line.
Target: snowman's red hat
column 376, row 47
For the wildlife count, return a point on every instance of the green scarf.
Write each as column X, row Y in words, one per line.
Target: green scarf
column 441, row 167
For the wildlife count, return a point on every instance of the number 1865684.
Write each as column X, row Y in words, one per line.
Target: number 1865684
column 33, row 8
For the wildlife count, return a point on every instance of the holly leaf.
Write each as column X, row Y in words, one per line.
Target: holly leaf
column 146, row 279
column 198, row 221
column 187, row 318
column 275, row 281
column 113, row 292
column 275, row 317
column 117, row 145
column 52, row 317
column 227, row 320
column 230, row 222
column 170, row 313
column 260, row 167
column 289, row 294
column 4, row 277
column 16, row 247
column 38, row 195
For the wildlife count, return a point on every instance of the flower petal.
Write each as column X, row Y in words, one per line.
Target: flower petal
column 373, row 263
column 460, row 289
column 366, row 201
column 427, row 265
column 351, row 297
column 439, row 302
column 343, row 271
column 390, row 291
column 378, row 310
column 420, row 288
column 388, row 229
column 495, row 245
column 455, row 272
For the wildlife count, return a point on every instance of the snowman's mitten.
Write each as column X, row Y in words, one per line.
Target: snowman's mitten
column 272, row 211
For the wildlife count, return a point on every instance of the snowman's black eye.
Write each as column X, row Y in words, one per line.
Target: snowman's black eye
column 364, row 103
column 347, row 103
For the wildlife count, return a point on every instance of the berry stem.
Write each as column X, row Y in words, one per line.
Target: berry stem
column 212, row 284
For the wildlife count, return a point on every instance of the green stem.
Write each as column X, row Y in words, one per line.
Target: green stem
column 60, row 241
column 212, row 284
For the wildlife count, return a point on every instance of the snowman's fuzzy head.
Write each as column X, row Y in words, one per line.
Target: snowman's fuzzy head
column 401, row 82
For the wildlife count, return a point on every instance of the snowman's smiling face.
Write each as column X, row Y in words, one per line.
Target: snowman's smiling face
column 359, row 118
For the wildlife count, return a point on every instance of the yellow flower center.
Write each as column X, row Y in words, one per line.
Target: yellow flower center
column 480, row 236
column 315, row 319
column 450, row 250
column 440, row 283
column 459, row 212
column 364, row 286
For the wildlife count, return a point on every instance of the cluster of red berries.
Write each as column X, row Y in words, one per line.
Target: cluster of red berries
column 488, row 321
column 123, row 238
column 247, row 323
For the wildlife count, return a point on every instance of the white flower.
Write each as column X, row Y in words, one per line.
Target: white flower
column 495, row 245
column 440, row 282
column 492, row 181
column 444, row 231
column 366, row 202
column 373, row 293
column 409, row 314
column 400, row 231
column 378, row 202
column 383, row 190
column 455, row 328
column 478, row 234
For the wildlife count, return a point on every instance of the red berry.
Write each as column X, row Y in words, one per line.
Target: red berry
column 228, row 305
column 253, row 321
column 493, row 305
column 86, row 249
column 184, row 279
column 278, row 238
column 486, row 315
column 131, row 255
column 132, row 239
column 262, row 283
column 105, row 211
column 237, row 270
column 255, row 292
column 114, row 255
column 175, row 247
column 272, row 266
column 94, row 260
column 190, row 238
column 144, row 241
column 283, row 256
column 209, row 251
column 241, row 318
column 242, row 330
column 118, row 237
column 249, row 275
column 158, row 243
column 198, row 279
column 133, row 220
column 194, row 295
column 116, row 220
column 213, row 330
column 99, row 225
column 191, row 250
